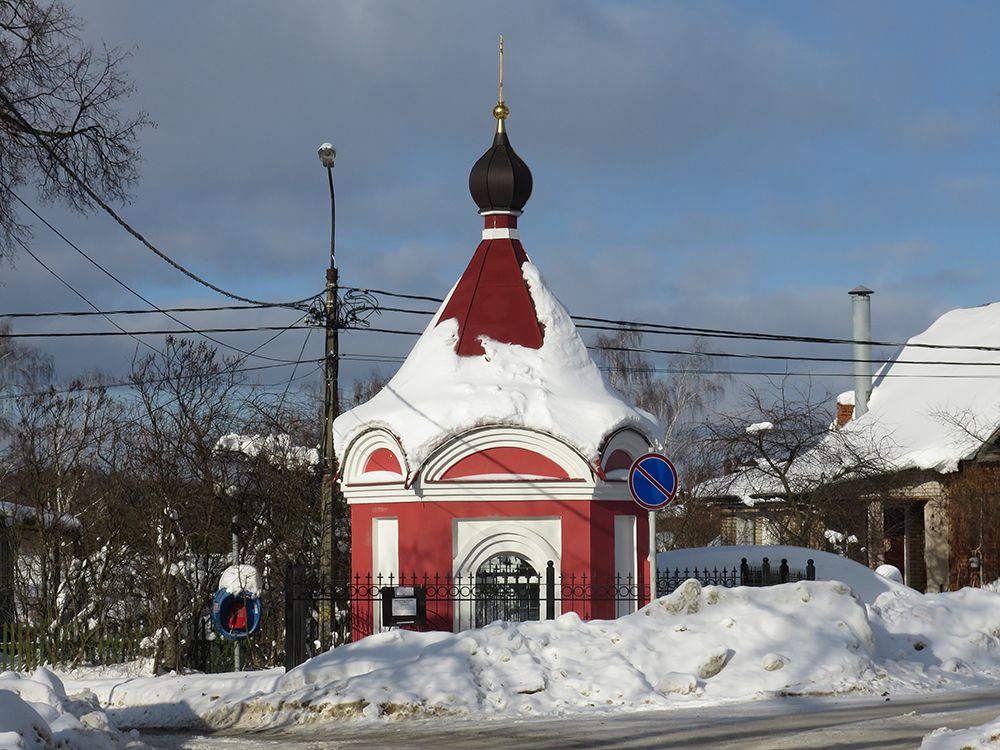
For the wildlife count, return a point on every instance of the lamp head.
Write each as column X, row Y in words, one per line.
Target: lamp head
column 327, row 153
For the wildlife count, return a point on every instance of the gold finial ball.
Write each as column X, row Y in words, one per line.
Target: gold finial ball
column 501, row 111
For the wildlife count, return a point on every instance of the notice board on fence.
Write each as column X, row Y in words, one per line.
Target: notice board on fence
column 404, row 605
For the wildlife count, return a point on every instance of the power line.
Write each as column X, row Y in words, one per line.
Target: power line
column 85, row 313
column 85, row 186
column 82, row 334
column 681, row 371
column 133, row 383
column 399, row 332
column 81, row 296
column 292, row 376
column 613, row 324
column 735, row 355
column 129, row 289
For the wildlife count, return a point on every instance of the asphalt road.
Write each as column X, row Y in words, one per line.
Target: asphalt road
column 777, row 724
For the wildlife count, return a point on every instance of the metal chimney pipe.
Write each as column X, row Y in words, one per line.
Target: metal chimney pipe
column 861, row 308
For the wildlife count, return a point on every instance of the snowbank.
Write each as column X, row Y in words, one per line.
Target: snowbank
column 829, row 567
column 36, row 714
column 983, row 737
column 700, row 645
column 556, row 389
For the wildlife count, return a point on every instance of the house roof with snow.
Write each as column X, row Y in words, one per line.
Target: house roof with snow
column 928, row 412
column 925, row 412
column 501, row 349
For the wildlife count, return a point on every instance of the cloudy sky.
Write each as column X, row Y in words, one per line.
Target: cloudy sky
column 729, row 165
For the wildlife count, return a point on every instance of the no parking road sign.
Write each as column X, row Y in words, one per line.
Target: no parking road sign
column 652, row 480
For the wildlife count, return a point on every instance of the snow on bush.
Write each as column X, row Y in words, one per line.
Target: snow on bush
column 36, row 714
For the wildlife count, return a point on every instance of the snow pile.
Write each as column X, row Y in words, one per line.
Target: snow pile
column 983, row 737
column 238, row 579
column 927, row 418
column 556, row 389
column 889, row 571
column 272, row 446
column 859, row 632
column 697, row 644
column 36, row 714
column 930, row 639
column 700, row 645
column 829, row 567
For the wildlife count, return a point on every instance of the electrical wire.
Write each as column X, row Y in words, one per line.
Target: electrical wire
column 81, row 296
column 736, row 355
column 129, row 289
column 85, row 313
column 166, row 331
column 701, row 332
column 132, row 383
column 291, row 377
column 85, row 186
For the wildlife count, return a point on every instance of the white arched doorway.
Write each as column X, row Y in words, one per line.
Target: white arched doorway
column 504, row 561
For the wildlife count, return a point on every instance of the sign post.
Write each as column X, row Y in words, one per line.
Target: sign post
column 652, row 480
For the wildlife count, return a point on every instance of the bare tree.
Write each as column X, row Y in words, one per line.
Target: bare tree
column 778, row 454
column 60, row 125
column 679, row 400
column 366, row 388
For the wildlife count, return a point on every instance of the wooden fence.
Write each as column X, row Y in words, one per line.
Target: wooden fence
column 25, row 647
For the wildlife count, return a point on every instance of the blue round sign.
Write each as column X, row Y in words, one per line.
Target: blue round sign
column 652, row 480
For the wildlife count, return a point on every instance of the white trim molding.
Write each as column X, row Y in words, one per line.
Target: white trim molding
column 501, row 233
column 627, row 439
column 483, row 438
column 357, row 453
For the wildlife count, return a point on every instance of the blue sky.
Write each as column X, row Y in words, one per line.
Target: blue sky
column 731, row 165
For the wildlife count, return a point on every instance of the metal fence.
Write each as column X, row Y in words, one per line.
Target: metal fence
column 510, row 592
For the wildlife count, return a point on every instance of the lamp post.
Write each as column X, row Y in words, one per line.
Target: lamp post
column 331, row 397
column 234, row 481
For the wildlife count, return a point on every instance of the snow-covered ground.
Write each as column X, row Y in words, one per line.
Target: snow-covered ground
column 37, row 714
column 700, row 645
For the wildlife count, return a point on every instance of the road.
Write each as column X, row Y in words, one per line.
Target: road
column 777, row 724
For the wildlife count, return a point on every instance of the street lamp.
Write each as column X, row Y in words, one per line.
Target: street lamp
column 331, row 401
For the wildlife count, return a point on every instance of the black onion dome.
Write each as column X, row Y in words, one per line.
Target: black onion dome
column 500, row 180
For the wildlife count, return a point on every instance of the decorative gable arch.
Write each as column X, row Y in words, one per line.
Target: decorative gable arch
column 621, row 448
column 374, row 457
column 505, row 453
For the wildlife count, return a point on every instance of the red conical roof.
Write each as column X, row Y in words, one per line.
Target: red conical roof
column 492, row 298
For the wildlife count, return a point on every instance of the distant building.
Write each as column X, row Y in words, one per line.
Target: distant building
column 497, row 449
column 934, row 415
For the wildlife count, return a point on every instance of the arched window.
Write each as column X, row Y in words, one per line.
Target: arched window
column 507, row 588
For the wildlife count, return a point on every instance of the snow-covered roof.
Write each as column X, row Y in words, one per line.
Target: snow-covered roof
column 931, row 416
column 20, row 514
column 556, row 388
column 271, row 445
column 921, row 414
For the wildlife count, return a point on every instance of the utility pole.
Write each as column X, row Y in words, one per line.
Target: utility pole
column 331, row 396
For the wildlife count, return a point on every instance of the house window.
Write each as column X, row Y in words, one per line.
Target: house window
column 507, row 588
column 745, row 530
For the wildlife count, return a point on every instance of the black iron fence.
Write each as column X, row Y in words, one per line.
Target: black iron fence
column 362, row 605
